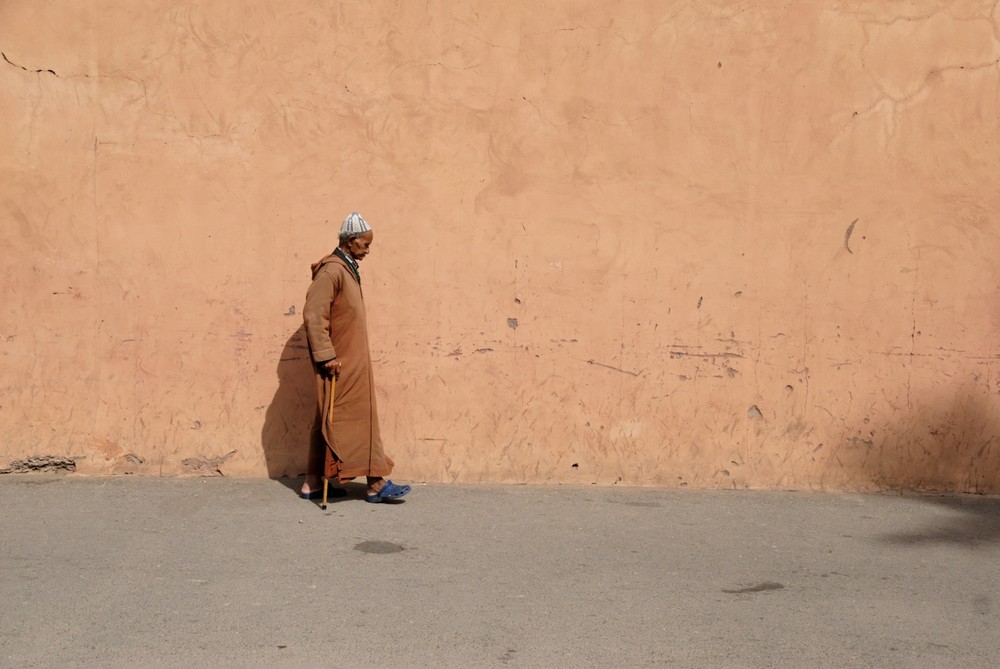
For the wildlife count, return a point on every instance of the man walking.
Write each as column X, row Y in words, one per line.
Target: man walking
column 346, row 442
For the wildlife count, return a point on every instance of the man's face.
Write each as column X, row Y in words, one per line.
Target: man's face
column 361, row 245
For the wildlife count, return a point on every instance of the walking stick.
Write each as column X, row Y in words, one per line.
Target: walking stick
column 329, row 420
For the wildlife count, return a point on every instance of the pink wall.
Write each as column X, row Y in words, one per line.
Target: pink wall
column 745, row 244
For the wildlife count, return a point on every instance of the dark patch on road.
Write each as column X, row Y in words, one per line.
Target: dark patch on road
column 766, row 586
column 635, row 503
column 378, row 547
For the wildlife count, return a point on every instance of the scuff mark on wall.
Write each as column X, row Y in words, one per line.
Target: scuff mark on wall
column 617, row 369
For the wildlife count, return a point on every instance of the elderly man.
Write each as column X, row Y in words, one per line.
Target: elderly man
column 345, row 441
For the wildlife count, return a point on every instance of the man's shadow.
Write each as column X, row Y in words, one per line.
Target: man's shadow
column 289, row 418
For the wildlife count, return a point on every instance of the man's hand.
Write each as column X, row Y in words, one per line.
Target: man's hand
column 331, row 368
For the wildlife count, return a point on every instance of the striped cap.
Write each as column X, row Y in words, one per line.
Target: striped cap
column 354, row 225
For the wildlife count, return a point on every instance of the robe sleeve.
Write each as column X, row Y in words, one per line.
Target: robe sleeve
column 316, row 315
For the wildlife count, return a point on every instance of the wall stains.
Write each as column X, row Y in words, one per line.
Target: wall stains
column 108, row 351
column 207, row 466
column 41, row 463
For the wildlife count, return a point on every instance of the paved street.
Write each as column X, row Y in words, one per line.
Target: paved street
column 146, row 572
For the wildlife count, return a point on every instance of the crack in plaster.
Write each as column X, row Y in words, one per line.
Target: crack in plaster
column 9, row 62
column 903, row 99
column 572, row 29
column 945, row 8
column 492, row 45
column 897, row 103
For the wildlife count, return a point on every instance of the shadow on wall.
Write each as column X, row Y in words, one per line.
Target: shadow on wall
column 289, row 418
column 949, row 442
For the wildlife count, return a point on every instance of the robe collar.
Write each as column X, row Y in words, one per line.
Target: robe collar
column 351, row 263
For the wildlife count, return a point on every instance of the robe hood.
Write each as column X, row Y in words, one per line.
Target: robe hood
column 317, row 266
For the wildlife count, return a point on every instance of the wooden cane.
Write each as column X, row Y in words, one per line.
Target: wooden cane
column 329, row 420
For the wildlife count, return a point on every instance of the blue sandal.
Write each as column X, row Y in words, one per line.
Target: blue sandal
column 389, row 491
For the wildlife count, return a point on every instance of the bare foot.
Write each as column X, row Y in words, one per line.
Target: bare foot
column 311, row 484
column 374, row 486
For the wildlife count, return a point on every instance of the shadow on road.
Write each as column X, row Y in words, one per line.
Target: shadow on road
column 975, row 522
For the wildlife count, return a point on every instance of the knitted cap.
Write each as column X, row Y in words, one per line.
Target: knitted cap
column 354, row 225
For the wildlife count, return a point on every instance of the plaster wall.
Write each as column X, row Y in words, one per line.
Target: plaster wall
column 713, row 243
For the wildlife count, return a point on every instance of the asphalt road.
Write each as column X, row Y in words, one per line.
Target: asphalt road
column 144, row 572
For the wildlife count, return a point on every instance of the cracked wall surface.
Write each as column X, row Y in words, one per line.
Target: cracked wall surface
column 708, row 244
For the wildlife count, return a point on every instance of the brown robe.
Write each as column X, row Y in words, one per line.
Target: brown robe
column 350, row 444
